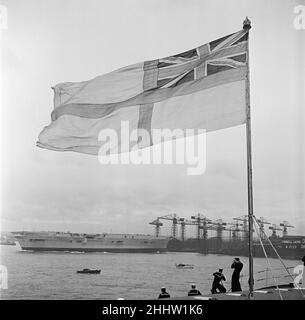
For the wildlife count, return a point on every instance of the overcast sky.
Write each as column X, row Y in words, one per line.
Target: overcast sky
column 48, row 42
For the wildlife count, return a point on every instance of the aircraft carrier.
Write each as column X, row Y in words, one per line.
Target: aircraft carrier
column 81, row 242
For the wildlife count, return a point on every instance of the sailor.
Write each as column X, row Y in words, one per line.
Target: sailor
column 217, row 282
column 237, row 265
column 163, row 294
column 194, row 291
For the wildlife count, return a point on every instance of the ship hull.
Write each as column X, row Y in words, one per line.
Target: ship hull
column 112, row 250
column 120, row 243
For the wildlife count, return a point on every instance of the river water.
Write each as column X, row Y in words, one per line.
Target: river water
column 124, row 275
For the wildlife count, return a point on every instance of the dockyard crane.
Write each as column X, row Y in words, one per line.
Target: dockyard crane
column 219, row 226
column 234, row 229
column 285, row 224
column 158, row 224
column 202, row 223
column 184, row 222
column 262, row 221
column 174, row 218
column 245, row 228
column 275, row 228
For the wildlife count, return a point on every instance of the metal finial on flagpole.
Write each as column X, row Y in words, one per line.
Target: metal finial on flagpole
column 247, row 24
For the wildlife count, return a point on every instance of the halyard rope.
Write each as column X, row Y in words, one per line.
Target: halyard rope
column 260, row 240
column 281, row 260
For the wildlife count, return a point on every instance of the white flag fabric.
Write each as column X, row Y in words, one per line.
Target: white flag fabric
column 202, row 88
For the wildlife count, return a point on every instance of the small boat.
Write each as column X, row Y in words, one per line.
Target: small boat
column 184, row 266
column 89, row 271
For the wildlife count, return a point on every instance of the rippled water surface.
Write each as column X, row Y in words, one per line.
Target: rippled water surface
column 131, row 276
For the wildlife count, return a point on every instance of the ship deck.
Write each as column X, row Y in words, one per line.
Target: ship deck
column 270, row 294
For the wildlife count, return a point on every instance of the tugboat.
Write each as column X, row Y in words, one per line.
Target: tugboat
column 89, row 271
column 184, row 266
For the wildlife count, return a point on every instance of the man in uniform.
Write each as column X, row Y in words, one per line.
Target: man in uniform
column 194, row 291
column 163, row 294
column 237, row 266
column 217, row 282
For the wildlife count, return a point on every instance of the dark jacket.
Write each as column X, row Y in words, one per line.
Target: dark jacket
column 218, row 276
column 163, row 295
column 194, row 292
column 237, row 266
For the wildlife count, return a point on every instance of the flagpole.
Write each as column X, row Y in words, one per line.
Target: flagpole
column 247, row 27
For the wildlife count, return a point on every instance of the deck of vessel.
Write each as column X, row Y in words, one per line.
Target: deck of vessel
column 271, row 294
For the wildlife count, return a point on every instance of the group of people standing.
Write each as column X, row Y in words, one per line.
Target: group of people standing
column 217, row 286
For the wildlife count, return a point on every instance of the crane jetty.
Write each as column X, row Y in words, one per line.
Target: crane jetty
column 230, row 237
